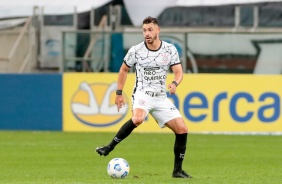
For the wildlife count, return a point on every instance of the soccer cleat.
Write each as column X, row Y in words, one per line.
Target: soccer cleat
column 104, row 150
column 180, row 174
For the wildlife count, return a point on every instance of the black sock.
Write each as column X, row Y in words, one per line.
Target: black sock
column 179, row 150
column 123, row 132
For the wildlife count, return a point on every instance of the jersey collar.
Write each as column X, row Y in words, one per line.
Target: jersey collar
column 154, row 50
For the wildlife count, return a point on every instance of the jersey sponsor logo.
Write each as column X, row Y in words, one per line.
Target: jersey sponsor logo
column 150, row 93
column 93, row 104
column 157, row 77
column 151, row 68
column 149, row 72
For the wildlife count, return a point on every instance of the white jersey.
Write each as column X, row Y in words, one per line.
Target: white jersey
column 151, row 65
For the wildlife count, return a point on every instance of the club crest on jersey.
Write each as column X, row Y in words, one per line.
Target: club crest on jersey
column 93, row 104
column 165, row 57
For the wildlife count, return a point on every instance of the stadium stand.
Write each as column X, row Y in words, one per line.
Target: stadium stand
column 94, row 37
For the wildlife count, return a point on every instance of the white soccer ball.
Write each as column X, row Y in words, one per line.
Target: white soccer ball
column 118, row 168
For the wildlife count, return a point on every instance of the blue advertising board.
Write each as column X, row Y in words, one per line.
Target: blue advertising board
column 31, row 102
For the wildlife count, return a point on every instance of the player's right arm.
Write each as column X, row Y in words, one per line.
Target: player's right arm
column 122, row 75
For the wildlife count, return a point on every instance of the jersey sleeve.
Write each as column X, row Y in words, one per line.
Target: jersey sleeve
column 129, row 58
column 174, row 56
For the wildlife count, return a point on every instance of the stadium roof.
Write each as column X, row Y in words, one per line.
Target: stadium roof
column 18, row 8
column 135, row 8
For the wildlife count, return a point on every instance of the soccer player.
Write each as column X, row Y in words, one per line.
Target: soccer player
column 152, row 59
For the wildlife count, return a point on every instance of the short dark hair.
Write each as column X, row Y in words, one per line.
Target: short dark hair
column 149, row 20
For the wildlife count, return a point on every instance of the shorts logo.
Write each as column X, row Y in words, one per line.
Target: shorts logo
column 141, row 102
column 94, row 104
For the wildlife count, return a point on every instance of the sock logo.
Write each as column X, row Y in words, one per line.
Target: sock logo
column 94, row 104
column 117, row 139
column 181, row 155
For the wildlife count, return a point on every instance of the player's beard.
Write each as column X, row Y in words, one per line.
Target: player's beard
column 151, row 40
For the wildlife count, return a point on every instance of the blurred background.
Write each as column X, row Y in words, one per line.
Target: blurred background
column 215, row 36
column 44, row 43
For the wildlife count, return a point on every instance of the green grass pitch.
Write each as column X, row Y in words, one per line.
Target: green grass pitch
column 58, row 157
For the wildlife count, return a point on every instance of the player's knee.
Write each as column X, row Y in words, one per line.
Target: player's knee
column 182, row 130
column 185, row 129
column 137, row 120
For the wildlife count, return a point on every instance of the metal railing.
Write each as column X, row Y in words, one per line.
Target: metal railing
column 23, row 51
column 221, row 49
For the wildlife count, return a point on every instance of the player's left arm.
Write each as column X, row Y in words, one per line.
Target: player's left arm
column 178, row 76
